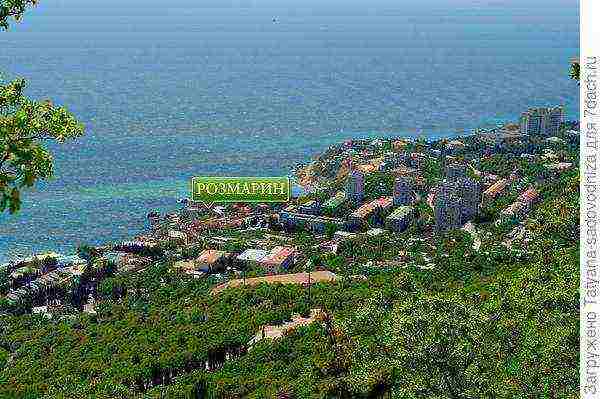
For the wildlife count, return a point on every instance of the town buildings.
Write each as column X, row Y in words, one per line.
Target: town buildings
column 443, row 155
column 251, row 257
column 211, row 260
column 457, row 199
column 400, row 145
column 559, row 167
column 494, row 190
column 500, row 138
column 454, row 146
column 392, row 160
column 185, row 266
column 311, row 207
column 400, row 218
column 31, row 279
column 333, row 204
column 456, row 171
column 370, row 211
column 447, row 213
column 318, row 224
column 417, row 159
column 341, row 236
column 469, row 191
column 404, row 171
column 519, row 209
column 280, row 259
column 542, row 121
column 367, row 168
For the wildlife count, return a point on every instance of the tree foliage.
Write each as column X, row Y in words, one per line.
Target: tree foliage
column 480, row 324
column 574, row 71
column 13, row 9
column 25, row 126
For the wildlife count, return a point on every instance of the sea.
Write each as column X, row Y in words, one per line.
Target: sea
column 181, row 88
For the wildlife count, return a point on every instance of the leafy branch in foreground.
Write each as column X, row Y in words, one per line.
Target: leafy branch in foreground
column 14, row 9
column 574, row 72
column 24, row 126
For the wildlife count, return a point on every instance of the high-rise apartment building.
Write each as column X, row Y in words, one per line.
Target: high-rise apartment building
column 355, row 186
column 447, row 212
column 403, row 191
column 457, row 199
column 542, row 121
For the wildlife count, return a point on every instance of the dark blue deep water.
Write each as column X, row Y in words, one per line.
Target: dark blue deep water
column 178, row 88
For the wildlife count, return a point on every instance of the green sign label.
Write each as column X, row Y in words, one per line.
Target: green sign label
column 241, row 189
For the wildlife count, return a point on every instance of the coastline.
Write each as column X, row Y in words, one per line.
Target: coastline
column 303, row 184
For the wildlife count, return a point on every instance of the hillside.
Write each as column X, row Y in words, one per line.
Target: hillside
column 502, row 323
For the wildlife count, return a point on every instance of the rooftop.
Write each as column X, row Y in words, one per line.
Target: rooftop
column 336, row 200
column 375, row 232
column 210, row 256
column 278, row 255
column 496, row 188
column 368, row 208
column 252, row 254
column 400, row 212
column 529, row 195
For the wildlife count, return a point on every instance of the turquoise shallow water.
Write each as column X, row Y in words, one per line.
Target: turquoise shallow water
column 168, row 93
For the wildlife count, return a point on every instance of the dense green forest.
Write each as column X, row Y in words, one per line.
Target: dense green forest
column 495, row 323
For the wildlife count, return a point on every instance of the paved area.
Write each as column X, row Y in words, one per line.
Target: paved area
column 297, row 278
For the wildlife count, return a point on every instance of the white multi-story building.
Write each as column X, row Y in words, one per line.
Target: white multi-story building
column 457, row 201
column 542, row 121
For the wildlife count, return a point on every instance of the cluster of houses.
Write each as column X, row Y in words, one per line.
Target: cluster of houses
column 360, row 214
column 455, row 200
column 364, row 157
column 39, row 276
column 277, row 260
column 522, row 206
column 42, row 278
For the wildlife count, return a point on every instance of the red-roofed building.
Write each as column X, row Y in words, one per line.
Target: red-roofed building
column 495, row 189
column 279, row 259
column 365, row 211
column 367, row 168
column 211, row 260
column 529, row 196
column 522, row 205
